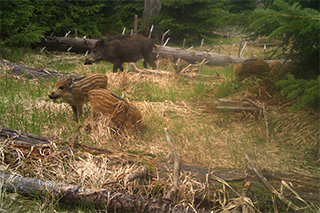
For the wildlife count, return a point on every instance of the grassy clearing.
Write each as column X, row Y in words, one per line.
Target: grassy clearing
column 202, row 135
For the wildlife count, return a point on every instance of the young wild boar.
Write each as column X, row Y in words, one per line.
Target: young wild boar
column 75, row 91
column 122, row 49
column 122, row 113
column 250, row 67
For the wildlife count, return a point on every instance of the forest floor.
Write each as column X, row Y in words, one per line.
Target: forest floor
column 210, row 142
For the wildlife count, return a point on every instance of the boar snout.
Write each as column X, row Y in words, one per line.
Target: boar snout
column 53, row 96
column 87, row 62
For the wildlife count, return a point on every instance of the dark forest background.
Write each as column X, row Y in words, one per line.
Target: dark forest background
column 295, row 23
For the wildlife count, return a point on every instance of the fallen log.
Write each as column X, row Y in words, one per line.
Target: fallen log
column 237, row 108
column 194, row 56
column 80, row 45
column 34, row 72
column 77, row 195
column 24, row 136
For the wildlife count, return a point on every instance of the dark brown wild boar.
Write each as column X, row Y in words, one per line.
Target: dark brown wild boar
column 123, row 114
column 75, row 91
column 122, row 49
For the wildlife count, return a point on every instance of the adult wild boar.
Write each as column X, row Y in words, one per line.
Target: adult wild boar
column 122, row 49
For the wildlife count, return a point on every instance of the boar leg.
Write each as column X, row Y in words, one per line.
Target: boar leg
column 74, row 108
column 117, row 65
column 148, row 59
column 145, row 64
column 77, row 111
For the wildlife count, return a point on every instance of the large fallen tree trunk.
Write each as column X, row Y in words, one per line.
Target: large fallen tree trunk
column 81, row 45
column 78, row 45
column 193, row 56
column 77, row 195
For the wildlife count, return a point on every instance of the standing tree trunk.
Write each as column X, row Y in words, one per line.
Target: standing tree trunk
column 151, row 8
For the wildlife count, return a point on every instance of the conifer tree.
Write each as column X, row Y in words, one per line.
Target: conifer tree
column 298, row 28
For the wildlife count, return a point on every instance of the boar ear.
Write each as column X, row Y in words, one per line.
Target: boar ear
column 70, row 81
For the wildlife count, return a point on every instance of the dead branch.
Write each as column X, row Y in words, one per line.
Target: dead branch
column 201, row 45
column 163, row 35
column 177, row 66
column 148, row 71
column 174, row 189
column 141, row 173
column 33, row 72
column 77, row 195
column 270, row 187
column 165, row 43
column 237, row 108
column 91, row 149
column 201, row 64
column 161, row 72
column 244, row 46
column 266, row 120
column 186, row 68
column 151, row 29
column 30, row 139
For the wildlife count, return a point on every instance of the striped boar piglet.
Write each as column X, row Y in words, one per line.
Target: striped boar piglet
column 250, row 67
column 123, row 114
column 75, row 91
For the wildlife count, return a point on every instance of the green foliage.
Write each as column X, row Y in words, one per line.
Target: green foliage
column 305, row 92
column 18, row 23
column 25, row 22
column 190, row 20
column 116, row 15
column 298, row 29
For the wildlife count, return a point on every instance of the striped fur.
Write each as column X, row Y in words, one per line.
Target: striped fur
column 250, row 67
column 122, row 113
column 75, row 91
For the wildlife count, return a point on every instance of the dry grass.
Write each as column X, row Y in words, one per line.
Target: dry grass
column 202, row 137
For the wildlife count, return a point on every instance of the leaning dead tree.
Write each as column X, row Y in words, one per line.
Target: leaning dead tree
column 81, row 45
